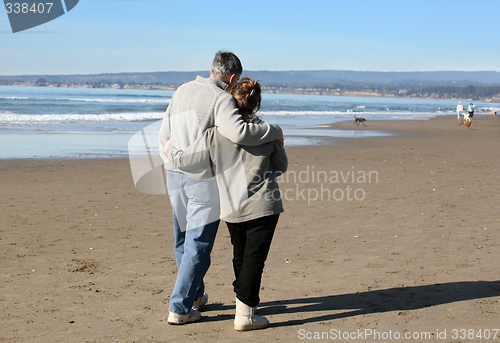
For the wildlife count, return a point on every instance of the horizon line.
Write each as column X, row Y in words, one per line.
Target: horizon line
column 271, row 71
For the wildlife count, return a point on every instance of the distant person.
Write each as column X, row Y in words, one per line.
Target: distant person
column 495, row 113
column 196, row 106
column 460, row 109
column 250, row 204
column 470, row 109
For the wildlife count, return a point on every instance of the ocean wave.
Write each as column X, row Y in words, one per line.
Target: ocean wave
column 301, row 113
column 113, row 100
column 487, row 109
column 14, row 98
column 162, row 101
column 10, row 118
column 141, row 95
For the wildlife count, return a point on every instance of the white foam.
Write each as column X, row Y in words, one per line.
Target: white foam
column 488, row 109
column 11, row 118
column 302, row 113
column 14, row 98
column 159, row 101
column 138, row 100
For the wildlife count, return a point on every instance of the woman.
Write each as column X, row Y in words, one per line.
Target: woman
column 470, row 109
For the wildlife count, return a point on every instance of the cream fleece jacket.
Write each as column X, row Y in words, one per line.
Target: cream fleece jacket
column 246, row 175
column 199, row 105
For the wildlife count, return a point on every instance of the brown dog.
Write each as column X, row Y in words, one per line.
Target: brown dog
column 465, row 122
column 358, row 121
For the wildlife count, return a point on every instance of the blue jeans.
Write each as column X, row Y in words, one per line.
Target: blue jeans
column 195, row 206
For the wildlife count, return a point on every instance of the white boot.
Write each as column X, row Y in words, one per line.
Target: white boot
column 245, row 318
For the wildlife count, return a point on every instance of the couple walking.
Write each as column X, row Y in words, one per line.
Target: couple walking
column 222, row 163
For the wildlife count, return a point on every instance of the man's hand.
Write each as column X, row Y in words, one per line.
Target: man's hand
column 165, row 148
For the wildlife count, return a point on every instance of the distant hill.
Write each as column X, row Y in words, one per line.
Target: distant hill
column 477, row 85
column 287, row 79
column 293, row 79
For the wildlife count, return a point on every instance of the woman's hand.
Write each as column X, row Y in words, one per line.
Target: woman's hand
column 167, row 145
column 281, row 139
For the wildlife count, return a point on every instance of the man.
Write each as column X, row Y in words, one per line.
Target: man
column 194, row 107
column 460, row 109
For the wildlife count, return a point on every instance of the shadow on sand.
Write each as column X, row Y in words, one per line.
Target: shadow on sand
column 384, row 300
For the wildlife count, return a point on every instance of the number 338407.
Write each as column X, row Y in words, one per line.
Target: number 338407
column 26, row 8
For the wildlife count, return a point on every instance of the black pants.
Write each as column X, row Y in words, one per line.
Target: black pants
column 471, row 114
column 251, row 242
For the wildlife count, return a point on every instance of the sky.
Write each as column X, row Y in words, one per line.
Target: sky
column 111, row 36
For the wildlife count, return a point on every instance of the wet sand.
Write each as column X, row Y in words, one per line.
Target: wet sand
column 390, row 236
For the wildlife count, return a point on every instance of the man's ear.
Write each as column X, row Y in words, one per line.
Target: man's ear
column 230, row 79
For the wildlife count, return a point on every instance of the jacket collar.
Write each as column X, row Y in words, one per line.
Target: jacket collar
column 217, row 82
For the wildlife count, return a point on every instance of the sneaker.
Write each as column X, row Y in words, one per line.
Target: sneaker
column 180, row 319
column 200, row 302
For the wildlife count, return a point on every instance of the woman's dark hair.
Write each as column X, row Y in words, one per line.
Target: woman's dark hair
column 247, row 95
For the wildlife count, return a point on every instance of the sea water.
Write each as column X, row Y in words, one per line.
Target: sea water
column 52, row 122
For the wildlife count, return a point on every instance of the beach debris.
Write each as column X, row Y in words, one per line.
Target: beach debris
column 356, row 236
column 287, row 260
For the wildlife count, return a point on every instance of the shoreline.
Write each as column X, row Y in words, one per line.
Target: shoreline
column 445, row 124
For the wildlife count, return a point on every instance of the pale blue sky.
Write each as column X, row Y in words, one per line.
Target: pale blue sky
column 100, row 36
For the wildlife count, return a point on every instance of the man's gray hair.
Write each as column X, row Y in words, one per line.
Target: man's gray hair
column 225, row 64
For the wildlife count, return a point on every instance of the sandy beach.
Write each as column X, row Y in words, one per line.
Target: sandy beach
column 382, row 238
